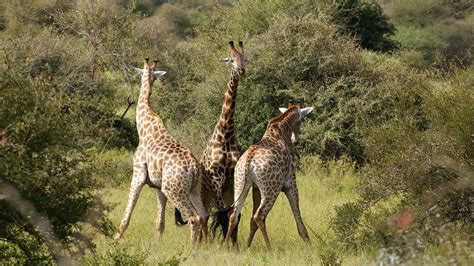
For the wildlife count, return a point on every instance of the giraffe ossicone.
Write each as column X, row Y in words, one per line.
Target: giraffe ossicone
column 156, row 73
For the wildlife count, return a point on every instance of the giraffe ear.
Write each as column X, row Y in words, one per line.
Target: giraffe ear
column 226, row 61
column 158, row 73
column 138, row 70
column 305, row 111
column 282, row 109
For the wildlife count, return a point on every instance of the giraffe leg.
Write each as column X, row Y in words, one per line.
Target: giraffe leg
column 241, row 189
column 229, row 200
column 268, row 199
column 183, row 204
column 253, row 225
column 220, row 217
column 197, row 202
column 160, row 219
column 138, row 180
column 291, row 193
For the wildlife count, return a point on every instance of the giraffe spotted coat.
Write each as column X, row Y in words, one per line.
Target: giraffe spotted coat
column 165, row 164
column 267, row 167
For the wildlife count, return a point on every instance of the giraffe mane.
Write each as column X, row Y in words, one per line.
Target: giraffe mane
column 282, row 116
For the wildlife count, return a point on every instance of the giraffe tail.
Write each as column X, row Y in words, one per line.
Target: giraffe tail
column 178, row 218
column 248, row 159
column 222, row 217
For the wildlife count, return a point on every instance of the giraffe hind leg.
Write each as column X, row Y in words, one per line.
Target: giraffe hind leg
column 220, row 217
column 292, row 195
column 160, row 219
column 266, row 204
column 242, row 188
column 229, row 200
column 184, row 205
column 253, row 225
column 196, row 201
column 138, row 181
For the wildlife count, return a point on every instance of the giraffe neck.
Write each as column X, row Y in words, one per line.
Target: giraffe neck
column 280, row 128
column 144, row 110
column 225, row 125
column 145, row 94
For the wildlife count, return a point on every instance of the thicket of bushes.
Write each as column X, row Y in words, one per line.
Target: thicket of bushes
column 434, row 33
column 57, row 112
column 65, row 82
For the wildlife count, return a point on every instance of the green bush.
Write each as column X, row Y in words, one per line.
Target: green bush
column 57, row 105
column 421, row 47
column 113, row 167
column 441, row 31
column 118, row 254
column 422, row 170
column 366, row 22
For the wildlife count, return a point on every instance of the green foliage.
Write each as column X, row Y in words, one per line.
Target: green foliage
column 44, row 159
column 56, row 106
column 418, row 13
column 366, row 22
column 434, row 32
column 112, row 167
column 421, row 46
column 295, row 58
column 118, row 254
column 406, row 135
column 423, row 169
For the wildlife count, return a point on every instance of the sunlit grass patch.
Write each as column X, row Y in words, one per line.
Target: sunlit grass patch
column 318, row 195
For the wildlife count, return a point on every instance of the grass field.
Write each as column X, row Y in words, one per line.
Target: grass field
column 321, row 188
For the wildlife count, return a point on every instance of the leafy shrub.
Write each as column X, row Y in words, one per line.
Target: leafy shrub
column 441, row 31
column 366, row 22
column 57, row 105
column 295, row 58
column 113, row 166
column 419, row 169
column 42, row 157
column 421, row 47
column 118, row 254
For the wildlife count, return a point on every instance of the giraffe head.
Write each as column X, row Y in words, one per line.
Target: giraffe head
column 301, row 113
column 236, row 58
column 149, row 73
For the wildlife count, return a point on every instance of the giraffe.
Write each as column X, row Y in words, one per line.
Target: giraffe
column 223, row 150
column 164, row 164
column 267, row 168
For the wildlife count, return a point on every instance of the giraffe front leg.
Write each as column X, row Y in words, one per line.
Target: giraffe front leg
column 291, row 192
column 138, row 180
column 160, row 219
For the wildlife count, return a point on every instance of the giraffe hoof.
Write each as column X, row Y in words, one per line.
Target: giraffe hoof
column 117, row 236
